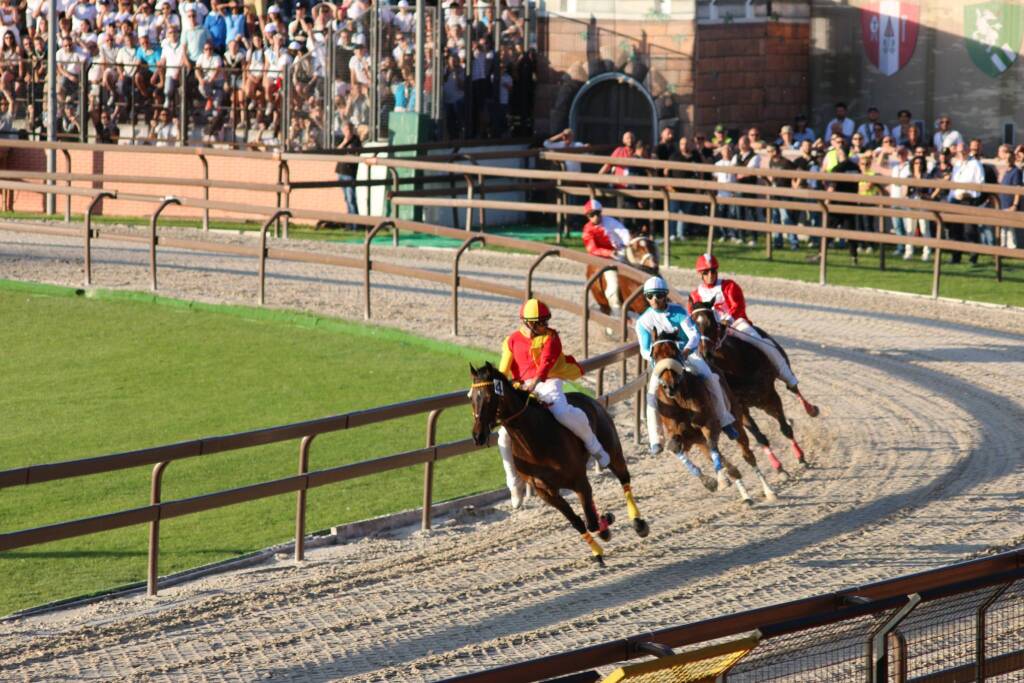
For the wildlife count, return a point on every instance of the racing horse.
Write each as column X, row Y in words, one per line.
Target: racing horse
column 752, row 379
column 549, row 456
column 642, row 253
column 687, row 420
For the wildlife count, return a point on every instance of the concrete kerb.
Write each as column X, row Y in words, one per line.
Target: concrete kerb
column 365, row 528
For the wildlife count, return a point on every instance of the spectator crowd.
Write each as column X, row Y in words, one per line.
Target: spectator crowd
column 871, row 148
column 188, row 71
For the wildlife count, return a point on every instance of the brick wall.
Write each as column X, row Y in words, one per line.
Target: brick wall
column 751, row 74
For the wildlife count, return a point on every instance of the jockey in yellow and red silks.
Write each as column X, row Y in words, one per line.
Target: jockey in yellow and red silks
column 533, row 357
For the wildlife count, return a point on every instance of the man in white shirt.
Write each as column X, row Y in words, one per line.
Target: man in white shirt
column 845, row 125
column 69, row 68
column 404, row 21
column 867, row 129
column 186, row 19
column 945, row 137
column 359, row 65
column 210, row 76
column 172, row 58
column 966, row 169
column 727, row 158
column 166, row 20
column 899, row 167
column 899, row 131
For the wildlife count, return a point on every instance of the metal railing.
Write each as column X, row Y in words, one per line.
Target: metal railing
column 957, row 623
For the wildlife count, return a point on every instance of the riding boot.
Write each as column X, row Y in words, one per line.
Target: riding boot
column 575, row 420
column 514, row 482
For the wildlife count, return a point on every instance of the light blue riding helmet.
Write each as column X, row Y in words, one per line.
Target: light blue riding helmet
column 655, row 284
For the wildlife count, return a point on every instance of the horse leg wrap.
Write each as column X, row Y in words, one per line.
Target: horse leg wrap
column 776, row 465
column 716, row 459
column 694, row 470
column 595, row 548
column 653, row 436
column 797, row 451
column 634, row 511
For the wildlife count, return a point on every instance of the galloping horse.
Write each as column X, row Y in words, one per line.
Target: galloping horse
column 687, row 420
column 752, row 378
column 549, row 456
column 642, row 253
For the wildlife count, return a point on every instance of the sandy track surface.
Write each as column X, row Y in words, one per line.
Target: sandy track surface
column 916, row 463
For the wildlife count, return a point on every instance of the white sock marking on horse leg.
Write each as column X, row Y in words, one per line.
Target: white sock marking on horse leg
column 768, row 493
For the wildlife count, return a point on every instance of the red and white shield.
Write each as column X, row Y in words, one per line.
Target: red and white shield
column 889, row 28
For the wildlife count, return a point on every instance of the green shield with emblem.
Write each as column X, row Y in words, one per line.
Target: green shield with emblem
column 992, row 31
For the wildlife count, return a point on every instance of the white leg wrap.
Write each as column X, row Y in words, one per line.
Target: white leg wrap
column 745, row 332
column 653, row 423
column 611, row 288
column 514, row 482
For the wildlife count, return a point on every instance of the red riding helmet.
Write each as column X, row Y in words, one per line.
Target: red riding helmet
column 706, row 262
column 592, row 206
column 533, row 310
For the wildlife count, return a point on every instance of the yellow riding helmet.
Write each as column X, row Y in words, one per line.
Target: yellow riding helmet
column 534, row 310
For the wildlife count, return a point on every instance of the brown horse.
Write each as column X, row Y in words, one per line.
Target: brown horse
column 752, row 378
column 687, row 420
column 642, row 253
column 549, row 456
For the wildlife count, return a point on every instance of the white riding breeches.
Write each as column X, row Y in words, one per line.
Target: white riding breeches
column 611, row 288
column 742, row 330
column 550, row 393
column 696, row 365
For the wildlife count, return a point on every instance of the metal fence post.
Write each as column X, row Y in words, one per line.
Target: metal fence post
column 712, row 214
column 284, row 175
column 981, row 629
column 88, row 232
column 428, row 469
column 823, row 247
column 455, row 279
column 67, row 200
column 533, row 267
column 880, row 229
column 879, row 660
column 940, row 228
column 155, row 483
column 300, row 500
column 368, row 265
column 263, row 253
column 152, row 235
column 206, row 190
column 668, row 249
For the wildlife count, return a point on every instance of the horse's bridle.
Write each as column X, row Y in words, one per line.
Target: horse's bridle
column 476, row 416
column 648, row 256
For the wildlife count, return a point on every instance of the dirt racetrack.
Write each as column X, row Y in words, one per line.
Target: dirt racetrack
column 917, row 462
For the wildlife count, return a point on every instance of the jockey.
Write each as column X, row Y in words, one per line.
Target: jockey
column 731, row 308
column 607, row 237
column 532, row 356
column 666, row 317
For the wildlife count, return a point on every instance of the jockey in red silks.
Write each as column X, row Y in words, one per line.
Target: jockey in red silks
column 731, row 308
column 532, row 356
column 606, row 237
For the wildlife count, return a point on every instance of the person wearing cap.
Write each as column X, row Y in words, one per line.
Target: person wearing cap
column 720, row 137
column 786, row 139
column 187, row 20
column 668, row 318
column 532, row 356
column 606, row 237
column 404, row 20
column 359, row 65
column 726, row 297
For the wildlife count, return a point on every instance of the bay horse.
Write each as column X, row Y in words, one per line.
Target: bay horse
column 688, row 420
column 752, row 378
column 642, row 253
column 549, row 456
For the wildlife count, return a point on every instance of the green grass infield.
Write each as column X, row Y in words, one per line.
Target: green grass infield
column 88, row 374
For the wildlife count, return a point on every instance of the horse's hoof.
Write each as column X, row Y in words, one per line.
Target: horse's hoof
column 641, row 528
column 709, row 483
column 604, row 534
column 812, row 410
column 748, row 503
column 609, row 518
column 599, row 559
column 771, row 497
column 803, row 463
column 783, row 475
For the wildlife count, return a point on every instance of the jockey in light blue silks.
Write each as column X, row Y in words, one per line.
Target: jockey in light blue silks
column 665, row 317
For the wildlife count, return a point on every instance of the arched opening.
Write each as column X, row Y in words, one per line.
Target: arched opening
column 610, row 104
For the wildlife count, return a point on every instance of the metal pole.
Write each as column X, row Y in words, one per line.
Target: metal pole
column 712, row 213
column 437, row 103
column 374, row 71
column 455, row 279
column 67, row 200
column 467, row 100
column 51, row 99
column 981, row 632
column 300, row 500
column 880, row 228
column 937, row 264
column 263, row 252
column 533, row 267
column 879, row 654
column 667, row 238
column 428, row 469
column 328, row 108
column 368, row 265
column 421, row 20
column 88, row 233
column 206, row 191
column 154, row 528
column 823, row 248
column 152, row 235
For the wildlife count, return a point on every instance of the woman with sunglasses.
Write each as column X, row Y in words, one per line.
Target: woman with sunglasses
column 666, row 317
column 731, row 307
